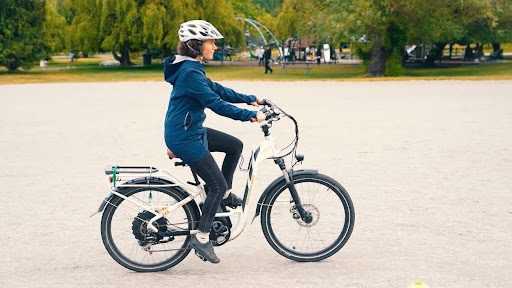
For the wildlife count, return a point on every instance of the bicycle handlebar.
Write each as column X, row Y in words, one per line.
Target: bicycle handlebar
column 273, row 113
column 270, row 110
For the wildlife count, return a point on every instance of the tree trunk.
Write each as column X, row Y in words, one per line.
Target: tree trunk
column 378, row 57
column 439, row 52
column 124, row 59
column 496, row 47
column 12, row 63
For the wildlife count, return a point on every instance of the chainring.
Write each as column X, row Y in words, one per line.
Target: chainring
column 220, row 233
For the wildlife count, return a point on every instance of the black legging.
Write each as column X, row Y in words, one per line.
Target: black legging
column 267, row 67
column 218, row 181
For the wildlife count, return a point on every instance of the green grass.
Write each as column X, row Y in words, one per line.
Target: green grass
column 483, row 71
column 88, row 70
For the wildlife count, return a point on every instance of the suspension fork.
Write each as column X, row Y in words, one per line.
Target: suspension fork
column 304, row 215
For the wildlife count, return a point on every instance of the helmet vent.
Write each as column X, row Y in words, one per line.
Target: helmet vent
column 192, row 32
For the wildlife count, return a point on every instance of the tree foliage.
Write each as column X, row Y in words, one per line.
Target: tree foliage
column 247, row 9
column 31, row 28
column 271, row 7
column 392, row 24
column 122, row 26
column 22, row 38
column 54, row 27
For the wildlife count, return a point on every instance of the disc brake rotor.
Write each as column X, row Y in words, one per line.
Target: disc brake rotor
column 313, row 212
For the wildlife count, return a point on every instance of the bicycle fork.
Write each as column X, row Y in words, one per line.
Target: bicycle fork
column 304, row 215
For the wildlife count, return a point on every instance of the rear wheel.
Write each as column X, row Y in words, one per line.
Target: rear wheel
column 128, row 240
column 332, row 221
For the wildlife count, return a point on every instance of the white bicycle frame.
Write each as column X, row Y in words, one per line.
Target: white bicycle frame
column 266, row 150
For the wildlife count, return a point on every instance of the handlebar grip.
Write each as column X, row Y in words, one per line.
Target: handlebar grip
column 267, row 113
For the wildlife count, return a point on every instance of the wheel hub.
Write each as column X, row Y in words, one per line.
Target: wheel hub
column 310, row 209
column 140, row 228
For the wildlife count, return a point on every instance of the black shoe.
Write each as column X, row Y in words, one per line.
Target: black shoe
column 232, row 201
column 204, row 251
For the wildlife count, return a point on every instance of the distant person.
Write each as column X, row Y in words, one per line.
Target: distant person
column 43, row 64
column 267, row 55
column 286, row 54
column 260, row 56
column 467, row 53
column 318, row 55
column 71, row 59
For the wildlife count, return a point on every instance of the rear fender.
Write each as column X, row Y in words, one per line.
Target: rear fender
column 141, row 181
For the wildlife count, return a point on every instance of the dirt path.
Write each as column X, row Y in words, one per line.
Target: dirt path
column 427, row 164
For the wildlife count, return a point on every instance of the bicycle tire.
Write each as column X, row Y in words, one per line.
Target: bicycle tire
column 271, row 206
column 189, row 210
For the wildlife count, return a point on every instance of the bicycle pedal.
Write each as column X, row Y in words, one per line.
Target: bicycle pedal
column 200, row 256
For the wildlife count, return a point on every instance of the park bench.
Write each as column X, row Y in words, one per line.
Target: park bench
column 293, row 65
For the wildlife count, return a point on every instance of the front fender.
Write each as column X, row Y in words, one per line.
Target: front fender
column 279, row 182
column 142, row 180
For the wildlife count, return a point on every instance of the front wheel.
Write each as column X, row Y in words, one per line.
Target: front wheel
column 332, row 221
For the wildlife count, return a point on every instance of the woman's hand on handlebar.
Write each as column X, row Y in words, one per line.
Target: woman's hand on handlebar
column 260, row 117
column 257, row 103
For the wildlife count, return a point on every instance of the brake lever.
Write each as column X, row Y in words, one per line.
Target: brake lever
column 266, row 102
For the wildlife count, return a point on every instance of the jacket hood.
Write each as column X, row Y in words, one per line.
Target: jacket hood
column 173, row 66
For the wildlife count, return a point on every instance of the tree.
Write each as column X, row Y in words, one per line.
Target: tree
column 247, row 9
column 124, row 26
column 55, row 27
column 271, row 6
column 121, row 28
column 22, row 39
column 503, row 32
column 392, row 24
column 492, row 23
column 296, row 18
column 223, row 18
column 83, row 17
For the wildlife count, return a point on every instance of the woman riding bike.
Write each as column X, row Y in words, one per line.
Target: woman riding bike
column 185, row 134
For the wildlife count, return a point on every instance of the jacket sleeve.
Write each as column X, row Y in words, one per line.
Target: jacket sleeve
column 229, row 95
column 197, row 88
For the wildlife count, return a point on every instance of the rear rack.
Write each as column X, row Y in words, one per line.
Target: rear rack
column 109, row 170
column 138, row 176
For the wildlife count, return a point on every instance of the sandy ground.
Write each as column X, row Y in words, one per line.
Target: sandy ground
column 427, row 165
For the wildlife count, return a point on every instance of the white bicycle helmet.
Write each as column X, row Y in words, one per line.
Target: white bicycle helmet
column 199, row 30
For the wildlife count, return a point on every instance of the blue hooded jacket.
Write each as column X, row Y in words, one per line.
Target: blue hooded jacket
column 192, row 92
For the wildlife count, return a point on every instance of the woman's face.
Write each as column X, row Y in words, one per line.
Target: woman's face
column 209, row 48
